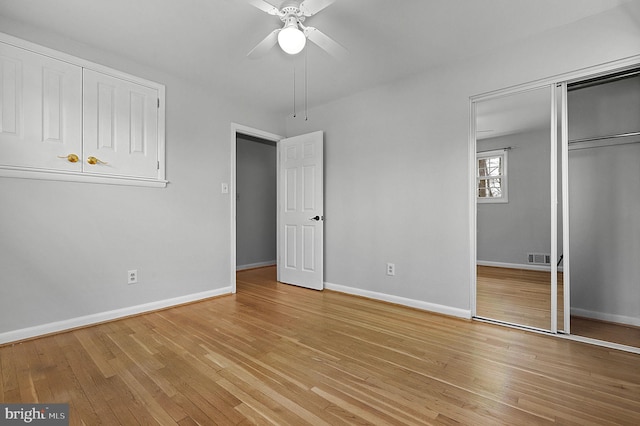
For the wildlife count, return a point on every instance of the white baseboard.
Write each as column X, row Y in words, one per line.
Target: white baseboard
column 256, row 265
column 418, row 304
column 60, row 326
column 526, row 266
column 603, row 316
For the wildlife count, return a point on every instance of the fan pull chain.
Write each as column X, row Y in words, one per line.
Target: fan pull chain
column 306, row 85
column 294, row 88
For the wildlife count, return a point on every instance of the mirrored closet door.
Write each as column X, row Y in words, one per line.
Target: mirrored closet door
column 557, row 196
column 604, row 202
column 516, row 152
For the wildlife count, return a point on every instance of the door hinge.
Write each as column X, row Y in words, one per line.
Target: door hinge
column 158, row 165
column 158, row 102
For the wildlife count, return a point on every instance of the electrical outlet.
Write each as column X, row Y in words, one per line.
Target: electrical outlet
column 132, row 276
column 391, row 269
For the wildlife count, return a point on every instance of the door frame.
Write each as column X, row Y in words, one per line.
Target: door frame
column 239, row 129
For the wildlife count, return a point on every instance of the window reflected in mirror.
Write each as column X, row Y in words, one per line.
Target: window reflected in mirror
column 491, row 176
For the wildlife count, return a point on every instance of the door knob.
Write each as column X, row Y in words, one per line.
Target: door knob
column 72, row 158
column 94, row 160
column 317, row 218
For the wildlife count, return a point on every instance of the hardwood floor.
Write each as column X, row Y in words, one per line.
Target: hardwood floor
column 517, row 296
column 607, row 331
column 277, row 354
column 522, row 297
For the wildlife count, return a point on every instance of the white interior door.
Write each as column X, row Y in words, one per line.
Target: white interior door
column 301, row 210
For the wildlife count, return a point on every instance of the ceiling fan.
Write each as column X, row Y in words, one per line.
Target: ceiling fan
column 293, row 35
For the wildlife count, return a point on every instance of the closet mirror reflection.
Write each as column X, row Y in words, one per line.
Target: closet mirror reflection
column 513, row 201
column 557, row 183
column 604, row 201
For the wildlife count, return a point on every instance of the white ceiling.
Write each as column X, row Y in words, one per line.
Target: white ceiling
column 514, row 113
column 206, row 41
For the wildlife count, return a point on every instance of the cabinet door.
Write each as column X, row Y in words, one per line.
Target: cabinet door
column 120, row 126
column 40, row 110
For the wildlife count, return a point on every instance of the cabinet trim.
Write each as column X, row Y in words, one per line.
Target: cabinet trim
column 41, row 174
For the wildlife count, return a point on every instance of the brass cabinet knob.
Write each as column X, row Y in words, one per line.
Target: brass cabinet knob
column 72, row 158
column 94, row 160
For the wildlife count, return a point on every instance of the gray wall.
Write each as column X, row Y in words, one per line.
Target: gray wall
column 604, row 197
column 65, row 247
column 256, row 203
column 508, row 231
column 397, row 161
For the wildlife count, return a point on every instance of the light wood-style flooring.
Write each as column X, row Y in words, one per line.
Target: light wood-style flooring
column 608, row 331
column 277, row 354
column 517, row 296
column 522, row 297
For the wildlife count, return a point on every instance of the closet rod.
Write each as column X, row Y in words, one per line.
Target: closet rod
column 507, row 148
column 599, row 138
column 609, row 78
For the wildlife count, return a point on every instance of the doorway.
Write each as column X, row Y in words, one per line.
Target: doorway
column 238, row 130
column 256, row 207
column 299, row 201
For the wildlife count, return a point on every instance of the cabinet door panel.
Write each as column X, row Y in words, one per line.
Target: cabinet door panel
column 40, row 110
column 120, row 126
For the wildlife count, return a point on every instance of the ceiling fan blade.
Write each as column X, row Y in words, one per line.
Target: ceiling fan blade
column 325, row 42
column 265, row 45
column 265, row 6
column 311, row 7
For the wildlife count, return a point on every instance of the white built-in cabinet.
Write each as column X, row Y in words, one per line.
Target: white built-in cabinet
column 120, row 126
column 63, row 118
column 40, row 112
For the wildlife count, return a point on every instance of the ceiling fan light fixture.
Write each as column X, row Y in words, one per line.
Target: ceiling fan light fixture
column 291, row 39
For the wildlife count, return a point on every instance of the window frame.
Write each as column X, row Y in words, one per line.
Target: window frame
column 504, row 198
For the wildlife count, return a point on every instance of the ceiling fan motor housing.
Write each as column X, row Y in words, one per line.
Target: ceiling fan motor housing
column 291, row 8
